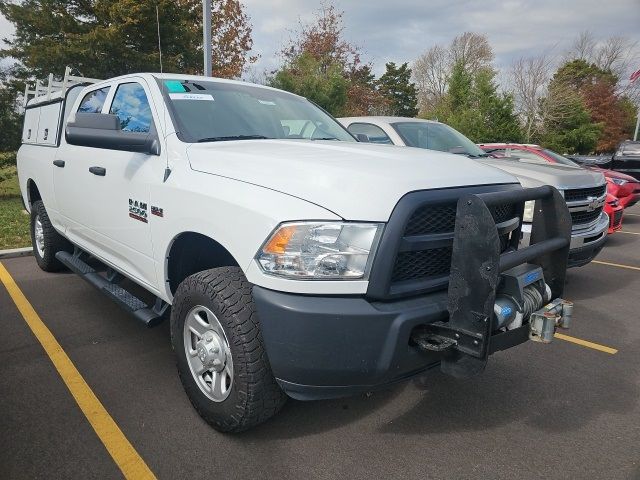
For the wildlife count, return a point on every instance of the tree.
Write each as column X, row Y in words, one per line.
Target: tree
column 474, row 106
column 529, row 79
column 231, row 38
column 315, row 55
column 567, row 125
column 396, row 86
column 103, row 39
column 433, row 69
column 10, row 121
column 597, row 89
column 321, row 83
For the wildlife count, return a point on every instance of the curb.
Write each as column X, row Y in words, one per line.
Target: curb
column 16, row 252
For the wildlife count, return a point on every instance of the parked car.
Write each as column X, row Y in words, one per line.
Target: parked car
column 294, row 260
column 584, row 191
column 615, row 212
column 626, row 159
column 623, row 186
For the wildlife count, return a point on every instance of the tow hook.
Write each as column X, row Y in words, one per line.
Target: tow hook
column 543, row 322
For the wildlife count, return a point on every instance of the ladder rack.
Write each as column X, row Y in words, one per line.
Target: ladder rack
column 42, row 92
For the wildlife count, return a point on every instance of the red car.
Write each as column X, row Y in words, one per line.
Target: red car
column 615, row 212
column 625, row 187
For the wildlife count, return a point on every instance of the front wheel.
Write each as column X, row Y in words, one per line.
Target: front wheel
column 220, row 355
column 46, row 240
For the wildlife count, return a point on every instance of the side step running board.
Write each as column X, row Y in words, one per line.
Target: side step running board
column 149, row 315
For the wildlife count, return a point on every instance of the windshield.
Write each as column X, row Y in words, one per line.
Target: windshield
column 436, row 136
column 559, row 158
column 208, row 111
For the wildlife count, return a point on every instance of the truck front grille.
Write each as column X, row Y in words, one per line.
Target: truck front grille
column 584, row 193
column 417, row 246
column 584, row 217
column 442, row 218
column 422, row 264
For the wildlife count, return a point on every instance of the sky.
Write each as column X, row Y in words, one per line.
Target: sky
column 400, row 30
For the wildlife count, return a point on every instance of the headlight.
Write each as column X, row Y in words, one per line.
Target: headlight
column 320, row 251
column 528, row 211
column 618, row 181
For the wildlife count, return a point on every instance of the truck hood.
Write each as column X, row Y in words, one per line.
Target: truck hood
column 356, row 181
column 533, row 174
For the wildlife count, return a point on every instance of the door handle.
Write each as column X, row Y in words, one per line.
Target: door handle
column 59, row 163
column 100, row 171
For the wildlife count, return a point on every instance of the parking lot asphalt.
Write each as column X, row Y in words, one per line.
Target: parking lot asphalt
column 538, row 411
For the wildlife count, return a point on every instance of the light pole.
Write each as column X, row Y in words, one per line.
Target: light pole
column 635, row 135
column 206, row 36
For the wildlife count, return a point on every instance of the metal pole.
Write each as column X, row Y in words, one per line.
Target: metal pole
column 635, row 135
column 206, row 36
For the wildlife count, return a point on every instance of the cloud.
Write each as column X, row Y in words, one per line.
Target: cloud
column 402, row 29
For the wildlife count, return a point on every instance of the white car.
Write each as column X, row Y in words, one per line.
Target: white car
column 584, row 190
column 293, row 259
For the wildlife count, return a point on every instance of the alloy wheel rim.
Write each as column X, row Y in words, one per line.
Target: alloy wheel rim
column 208, row 353
column 39, row 236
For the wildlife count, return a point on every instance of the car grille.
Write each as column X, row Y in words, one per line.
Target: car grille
column 431, row 219
column 427, row 263
column 584, row 193
column 436, row 262
column 584, row 217
column 415, row 251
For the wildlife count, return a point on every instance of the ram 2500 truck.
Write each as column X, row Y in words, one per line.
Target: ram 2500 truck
column 293, row 259
column 584, row 191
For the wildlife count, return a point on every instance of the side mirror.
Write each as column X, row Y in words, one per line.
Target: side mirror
column 362, row 137
column 99, row 130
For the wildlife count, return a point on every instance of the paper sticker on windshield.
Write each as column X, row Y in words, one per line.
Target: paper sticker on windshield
column 174, row 86
column 191, row 96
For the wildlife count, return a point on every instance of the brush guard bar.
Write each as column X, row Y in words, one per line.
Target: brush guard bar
column 466, row 340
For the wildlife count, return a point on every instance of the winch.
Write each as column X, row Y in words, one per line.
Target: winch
column 524, row 296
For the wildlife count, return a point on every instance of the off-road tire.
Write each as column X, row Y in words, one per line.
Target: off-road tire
column 255, row 396
column 53, row 241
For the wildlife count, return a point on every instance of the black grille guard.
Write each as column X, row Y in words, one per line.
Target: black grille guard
column 476, row 265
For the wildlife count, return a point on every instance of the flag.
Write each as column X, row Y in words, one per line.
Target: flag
column 634, row 76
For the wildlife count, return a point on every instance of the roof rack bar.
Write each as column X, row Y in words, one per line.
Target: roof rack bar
column 52, row 86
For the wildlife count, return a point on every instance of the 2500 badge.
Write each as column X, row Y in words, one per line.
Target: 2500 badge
column 138, row 210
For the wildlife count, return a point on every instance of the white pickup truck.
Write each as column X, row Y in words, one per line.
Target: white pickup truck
column 293, row 259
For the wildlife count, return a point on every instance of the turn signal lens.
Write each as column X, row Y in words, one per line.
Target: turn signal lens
column 277, row 244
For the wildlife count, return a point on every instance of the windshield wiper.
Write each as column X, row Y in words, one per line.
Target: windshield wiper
column 233, row 137
column 323, row 138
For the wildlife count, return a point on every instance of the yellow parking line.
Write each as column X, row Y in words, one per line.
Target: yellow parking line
column 585, row 343
column 619, row 265
column 632, row 214
column 630, row 233
column 122, row 452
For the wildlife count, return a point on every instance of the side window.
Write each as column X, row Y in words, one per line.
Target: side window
column 93, row 101
column 375, row 133
column 131, row 106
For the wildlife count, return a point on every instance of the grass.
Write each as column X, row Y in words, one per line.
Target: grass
column 14, row 221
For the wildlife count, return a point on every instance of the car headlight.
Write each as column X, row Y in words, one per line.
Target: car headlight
column 320, row 250
column 618, row 181
column 528, row 211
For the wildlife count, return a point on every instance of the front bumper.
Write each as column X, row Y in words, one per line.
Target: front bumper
column 585, row 244
column 326, row 347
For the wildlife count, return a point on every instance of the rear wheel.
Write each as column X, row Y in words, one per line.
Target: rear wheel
column 220, row 355
column 46, row 240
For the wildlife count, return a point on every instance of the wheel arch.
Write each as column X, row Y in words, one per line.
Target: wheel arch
column 191, row 252
column 33, row 193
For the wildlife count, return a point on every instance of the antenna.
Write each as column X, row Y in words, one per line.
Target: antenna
column 159, row 44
